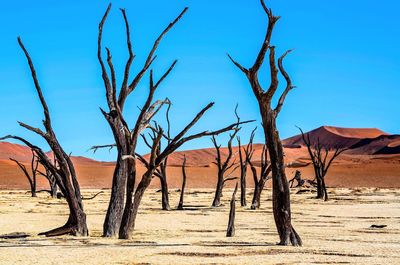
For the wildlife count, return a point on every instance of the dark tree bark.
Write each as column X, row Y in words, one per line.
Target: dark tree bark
column 180, row 205
column 230, row 231
column 223, row 167
column 50, row 177
column 161, row 172
column 52, row 183
column 30, row 176
column 259, row 182
column 243, row 163
column 298, row 179
column 321, row 164
column 65, row 174
column 243, row 171
column 164, row 194
column 281, row 192
column 126, row 140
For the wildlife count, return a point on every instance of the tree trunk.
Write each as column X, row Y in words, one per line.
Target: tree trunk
column 325, row 190
column 320, row 189
column 123, row 170
column 76, row 224
column 53, row 188
column 243, row 186
column 132, row 205
column 180, row 205
column 218, row 191
column 116, row 205
column 164, row 194
column 257, row 193
column 34, row 172
column 281, row 192
column 230, row 231
column 255, row 204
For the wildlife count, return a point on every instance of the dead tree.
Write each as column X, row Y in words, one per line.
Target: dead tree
column 244, row 162
column 321, row 164
column 180, row 205
column 65, row 174
column 259, row 182
column 281, row 192
column 126, row 139
column 298, row 179
column 126, row 194
column 30, row 176
column 223, row 167
column 50, row 177
column 230, row 231
column 243, row 170
column 154, row 161
column 161, row 172
column 52, row 183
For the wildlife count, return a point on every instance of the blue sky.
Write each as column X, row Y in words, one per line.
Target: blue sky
column 346, row 64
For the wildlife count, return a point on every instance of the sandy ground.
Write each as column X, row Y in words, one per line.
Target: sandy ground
column 334, row 232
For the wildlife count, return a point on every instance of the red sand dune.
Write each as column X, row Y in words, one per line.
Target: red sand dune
column 16, row 151
column 355, row 132
column 335, row 136
column 372, row 161
column 359, row 141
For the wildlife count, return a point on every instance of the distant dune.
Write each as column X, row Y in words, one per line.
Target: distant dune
column 373, row 160
column 16, row 151
column 359, row 141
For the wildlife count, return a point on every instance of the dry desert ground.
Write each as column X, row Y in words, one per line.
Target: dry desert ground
column 334, row 232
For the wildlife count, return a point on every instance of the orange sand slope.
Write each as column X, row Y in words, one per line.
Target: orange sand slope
column 359, row 141
column 373, row 160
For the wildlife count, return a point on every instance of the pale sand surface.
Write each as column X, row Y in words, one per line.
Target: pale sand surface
column 334, row 232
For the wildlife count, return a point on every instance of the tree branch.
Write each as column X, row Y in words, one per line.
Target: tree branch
column 150, row 58
column 271, row 24
column 289, row 85
column 106, row 79
column 47, row 120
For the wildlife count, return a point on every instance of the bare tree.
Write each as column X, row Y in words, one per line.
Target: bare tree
column 243, row 171
column 223, row 167
column 230, row 231
column 244, row 157
column 298, row 179
column 30, row 176
column 161, row 171
column 300, row 182
column 281, row 192
column 180, row 205
column 65, row 174
column 319, row 156
column 154, row 161
column 50, row 177
column 126, row 139
column 126, row 195
column 259, row 181
column 52, row 182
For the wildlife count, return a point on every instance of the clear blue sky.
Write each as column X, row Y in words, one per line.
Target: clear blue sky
column 346, row 64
